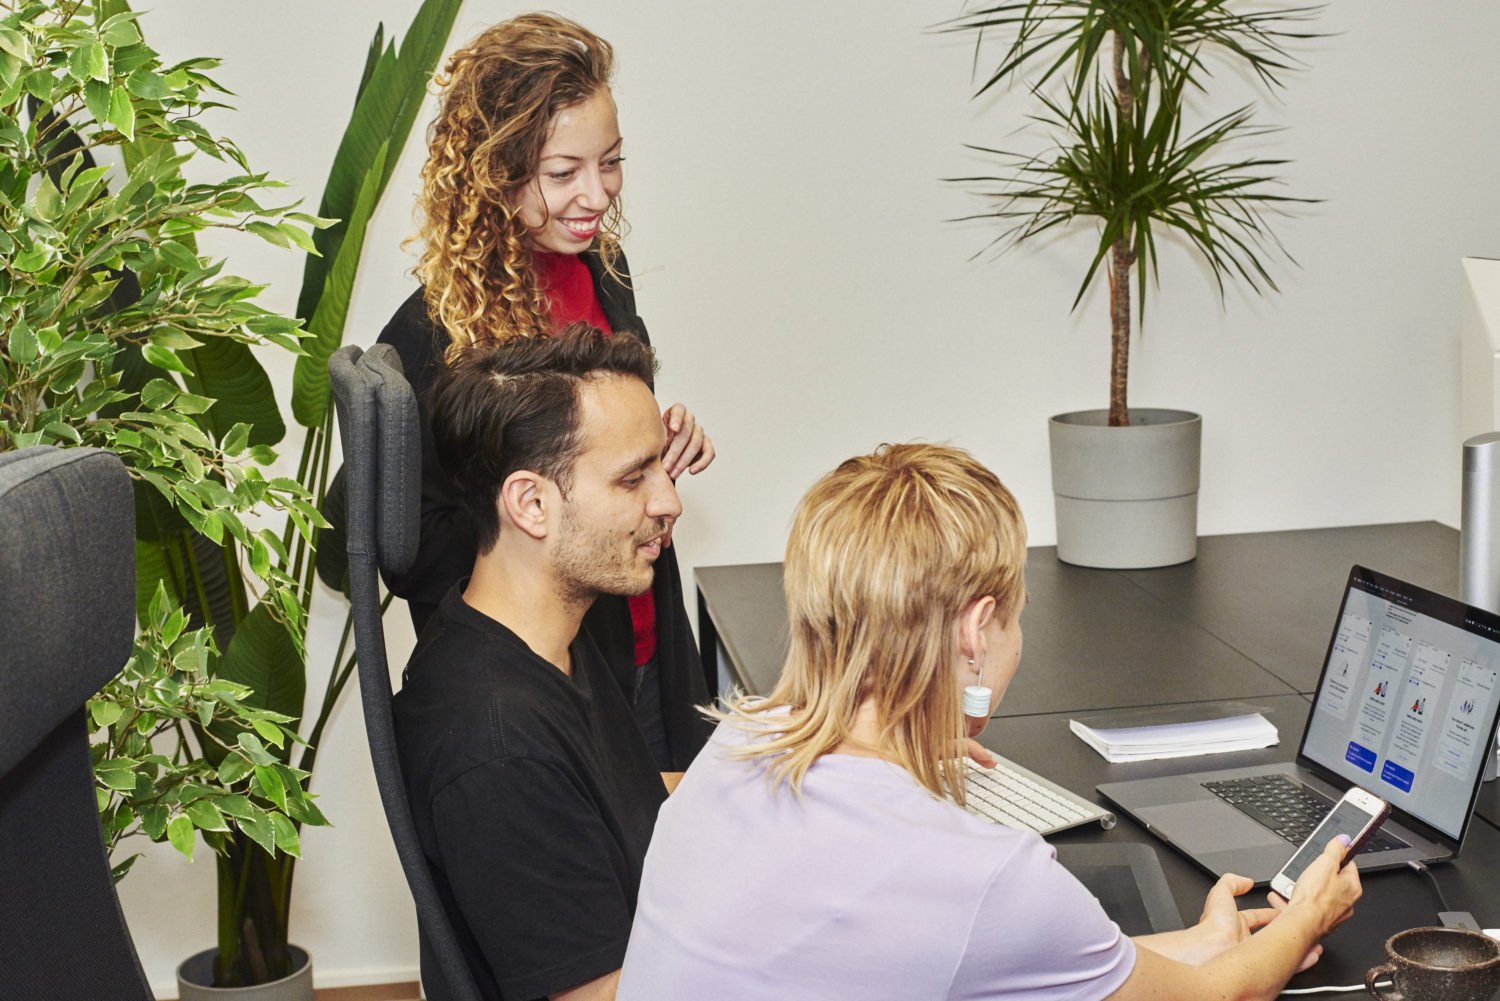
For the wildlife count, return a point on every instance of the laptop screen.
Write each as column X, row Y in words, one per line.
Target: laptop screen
column 1407, row 702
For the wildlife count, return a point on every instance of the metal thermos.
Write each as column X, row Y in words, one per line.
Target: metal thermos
column 1479, row 534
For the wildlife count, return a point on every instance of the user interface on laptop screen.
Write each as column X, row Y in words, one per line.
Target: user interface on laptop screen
column 1407, row 700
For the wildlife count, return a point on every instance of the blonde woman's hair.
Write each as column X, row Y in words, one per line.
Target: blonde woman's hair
column 885, row 554
column 500, row 94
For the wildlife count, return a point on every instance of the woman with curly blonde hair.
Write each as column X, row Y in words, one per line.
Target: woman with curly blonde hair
column 520, row 226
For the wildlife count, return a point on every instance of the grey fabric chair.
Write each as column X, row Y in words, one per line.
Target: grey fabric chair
column 67, row 616
column 377, row 414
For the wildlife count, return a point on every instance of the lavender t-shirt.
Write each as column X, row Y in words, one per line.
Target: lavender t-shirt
column 865, row 888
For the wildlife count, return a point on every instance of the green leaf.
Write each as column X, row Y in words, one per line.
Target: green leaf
column 310, row 377
column 263, row 658
column 192, row 403
column 121, row 869
column 31, row 260
column 266, row 231
column 287, row 838
column 255, row 750
column 234, row 441
column 206, row 816
column 116, row 773
column 23, row 343
column 180, row 833
column 179, row 256
column 227, row 371
column 158, row 393
column 120, row 31
column 393, row 87
column 15, row 43
column 147, row 85
column 154, row 821
column 271, row 786
column 122, row 112
column 47, row 199
column 105, row 713
column 304, row 811
column 258, row 829
column 299, row 237
column 236, row 805
column 164, row 358
column 271, row 732
column 233, row 768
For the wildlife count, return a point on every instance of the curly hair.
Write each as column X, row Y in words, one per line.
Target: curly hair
column 500, row 94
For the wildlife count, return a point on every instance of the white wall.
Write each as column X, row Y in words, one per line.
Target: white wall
column 809, row 300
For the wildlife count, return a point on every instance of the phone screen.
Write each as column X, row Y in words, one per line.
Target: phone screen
column 1346, row 818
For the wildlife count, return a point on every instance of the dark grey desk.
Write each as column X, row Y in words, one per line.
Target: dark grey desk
column 1392, row 900
column 1240, row 584
column 1099, row 639
column 1094, row 640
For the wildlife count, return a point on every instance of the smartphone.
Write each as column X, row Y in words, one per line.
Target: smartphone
column 1359, row 814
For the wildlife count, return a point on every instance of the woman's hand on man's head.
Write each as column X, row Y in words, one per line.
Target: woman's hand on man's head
column 689, row 450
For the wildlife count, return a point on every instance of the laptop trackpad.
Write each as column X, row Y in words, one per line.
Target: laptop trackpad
column 1207, row 826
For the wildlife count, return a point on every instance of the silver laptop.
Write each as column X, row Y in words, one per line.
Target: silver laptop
column 1406, row 708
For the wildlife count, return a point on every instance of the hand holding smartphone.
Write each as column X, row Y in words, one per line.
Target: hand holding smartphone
column 1358, row 815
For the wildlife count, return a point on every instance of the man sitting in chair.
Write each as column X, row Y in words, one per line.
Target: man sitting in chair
column 533, row 791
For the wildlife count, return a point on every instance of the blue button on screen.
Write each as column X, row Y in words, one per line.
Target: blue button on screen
column 1360, row 757
column 1397, row 776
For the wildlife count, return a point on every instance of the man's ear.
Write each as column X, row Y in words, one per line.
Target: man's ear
column 523, row 503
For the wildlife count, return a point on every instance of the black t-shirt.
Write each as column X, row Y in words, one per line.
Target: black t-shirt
column 534, row 796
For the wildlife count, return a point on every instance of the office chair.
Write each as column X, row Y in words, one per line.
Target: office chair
column 377, row 414
column 67, row 618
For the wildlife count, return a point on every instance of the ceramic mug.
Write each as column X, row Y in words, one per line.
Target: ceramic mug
column 1438, row 964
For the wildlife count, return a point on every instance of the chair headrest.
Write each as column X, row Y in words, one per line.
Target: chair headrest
column 382, row 454
column 67, row 586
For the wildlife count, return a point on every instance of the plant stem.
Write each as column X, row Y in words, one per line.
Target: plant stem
column 1121, row 257
column 1119, row 334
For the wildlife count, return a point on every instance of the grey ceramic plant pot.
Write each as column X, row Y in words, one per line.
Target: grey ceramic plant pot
column 198, row 970
column 1127, row 497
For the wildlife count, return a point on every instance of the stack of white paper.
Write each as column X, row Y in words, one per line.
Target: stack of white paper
column 1177, row 739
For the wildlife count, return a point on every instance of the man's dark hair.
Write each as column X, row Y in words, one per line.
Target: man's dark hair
column 513, row 404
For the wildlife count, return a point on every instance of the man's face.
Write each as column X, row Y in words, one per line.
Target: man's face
column 622, row 502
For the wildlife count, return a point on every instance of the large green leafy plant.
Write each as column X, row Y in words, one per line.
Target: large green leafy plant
column 128, row 339
column 116, row 333
column 1122, row 153
column 255, row 882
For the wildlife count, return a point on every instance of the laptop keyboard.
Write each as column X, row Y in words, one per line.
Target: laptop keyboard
column 1011, row 795
column 1288, row 808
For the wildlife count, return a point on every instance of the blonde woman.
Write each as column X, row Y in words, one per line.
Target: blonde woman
column 815, row 849
column 520, row 226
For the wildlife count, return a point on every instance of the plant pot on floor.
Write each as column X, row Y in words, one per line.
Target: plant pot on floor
column 1127, row 497
column 197, row 972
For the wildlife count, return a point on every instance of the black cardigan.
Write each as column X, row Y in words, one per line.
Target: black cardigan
column 447, row 548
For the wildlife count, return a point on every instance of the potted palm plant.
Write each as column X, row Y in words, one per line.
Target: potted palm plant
column 1112, row 78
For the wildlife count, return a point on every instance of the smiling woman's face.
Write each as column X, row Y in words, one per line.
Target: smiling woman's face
column 579, row 175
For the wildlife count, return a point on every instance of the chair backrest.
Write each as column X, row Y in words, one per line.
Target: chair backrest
column 67, row 616
column 377, row 414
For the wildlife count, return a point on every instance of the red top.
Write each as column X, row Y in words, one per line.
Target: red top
column 571, row 297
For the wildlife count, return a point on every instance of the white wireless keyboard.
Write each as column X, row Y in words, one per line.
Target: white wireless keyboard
column 1011, row 795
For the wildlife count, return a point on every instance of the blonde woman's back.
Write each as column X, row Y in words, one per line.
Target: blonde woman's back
column 865, row 886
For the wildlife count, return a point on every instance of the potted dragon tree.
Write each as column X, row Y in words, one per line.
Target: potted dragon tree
column 1111, row 80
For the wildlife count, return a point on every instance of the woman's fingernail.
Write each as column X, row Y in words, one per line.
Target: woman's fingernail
column 1344, row 840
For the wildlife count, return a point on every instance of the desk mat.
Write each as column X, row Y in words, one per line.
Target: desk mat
column 1128, row 880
